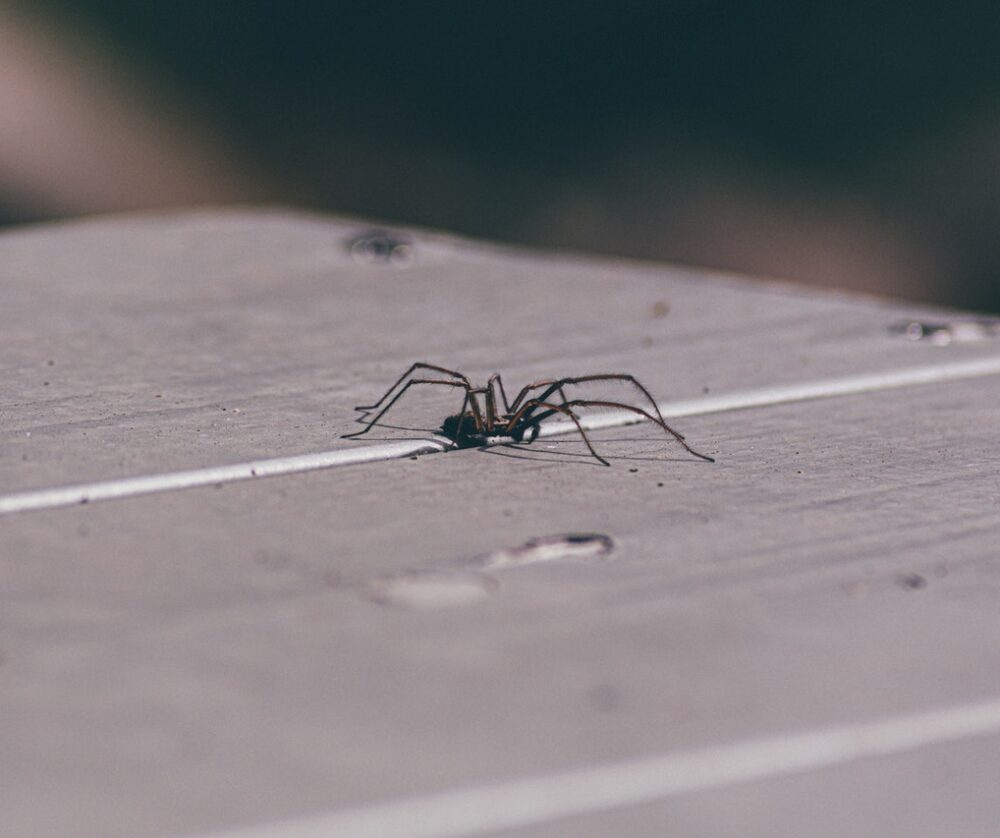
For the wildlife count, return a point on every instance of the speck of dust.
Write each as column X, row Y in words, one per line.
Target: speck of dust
column 911, row 581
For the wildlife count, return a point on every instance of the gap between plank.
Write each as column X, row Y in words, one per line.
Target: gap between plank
column 761, row 397
column 539, row 800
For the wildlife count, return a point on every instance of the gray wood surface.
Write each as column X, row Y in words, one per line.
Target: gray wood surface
column 337, row 646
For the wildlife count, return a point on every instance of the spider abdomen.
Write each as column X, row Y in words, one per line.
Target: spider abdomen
column 461, row 429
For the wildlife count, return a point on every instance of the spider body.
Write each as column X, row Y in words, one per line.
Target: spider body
column 488, row 417
column 461, row 429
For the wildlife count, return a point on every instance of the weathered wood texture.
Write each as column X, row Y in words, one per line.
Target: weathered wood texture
column 227, row 657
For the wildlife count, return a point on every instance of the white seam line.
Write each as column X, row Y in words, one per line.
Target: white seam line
column 788, row 393
column 538, row 800
column 132, row 486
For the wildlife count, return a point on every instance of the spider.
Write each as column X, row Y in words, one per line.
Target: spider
column 478, row 424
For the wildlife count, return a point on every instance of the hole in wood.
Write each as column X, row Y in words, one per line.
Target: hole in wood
column 943, row 334
column 550, row 548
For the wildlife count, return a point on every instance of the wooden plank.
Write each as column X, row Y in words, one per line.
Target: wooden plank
column 155, row 344
column 339, row 641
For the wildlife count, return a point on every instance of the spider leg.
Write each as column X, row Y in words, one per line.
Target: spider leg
column 549, row 409
column 419, row 365
column 558, row 384
column 545, row 382
column 399, row 395
column 555, row 385
column 461, row 416
column 641, row 412
column 493, row 417
column 497, row 381
column 525, row 410
column 477, row 414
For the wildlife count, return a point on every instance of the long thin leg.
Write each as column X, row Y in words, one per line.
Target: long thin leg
column 497, row 381
column 399, row 395
column 419, row 365
column 550, row 409
column 477, row 414
column 489, row 396
column 555, row 385
column 461, row 415
column 545, row 382
column 552, row 385
column 558, row 384
column 640, row 411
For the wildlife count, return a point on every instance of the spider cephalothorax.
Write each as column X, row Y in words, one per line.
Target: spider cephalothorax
column 481, row 421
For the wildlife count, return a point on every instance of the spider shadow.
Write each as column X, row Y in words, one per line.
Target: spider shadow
column 534, row 452
column 423, row 432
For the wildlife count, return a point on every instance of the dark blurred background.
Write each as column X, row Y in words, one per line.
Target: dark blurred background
column 847, row 144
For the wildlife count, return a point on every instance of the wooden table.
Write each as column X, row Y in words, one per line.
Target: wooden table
column 216, row 615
